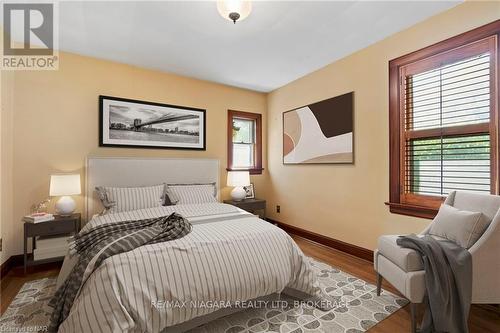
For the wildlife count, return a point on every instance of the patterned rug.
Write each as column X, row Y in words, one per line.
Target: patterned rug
column 359, row 308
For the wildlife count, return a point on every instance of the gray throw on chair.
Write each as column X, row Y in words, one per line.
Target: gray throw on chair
column 99, row 243
column 448, row 280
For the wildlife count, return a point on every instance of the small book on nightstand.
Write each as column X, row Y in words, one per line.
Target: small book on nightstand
column 38, row 217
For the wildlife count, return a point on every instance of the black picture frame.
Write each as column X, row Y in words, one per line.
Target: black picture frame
column 105, row 142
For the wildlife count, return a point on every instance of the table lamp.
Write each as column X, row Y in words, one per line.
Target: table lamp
column 64, row 186
column 238, row 179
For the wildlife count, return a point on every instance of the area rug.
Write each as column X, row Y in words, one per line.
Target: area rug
column 359, row 308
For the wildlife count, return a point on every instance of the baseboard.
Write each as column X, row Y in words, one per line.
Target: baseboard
column 17, row 261
column 351, row 249
column 13, row 261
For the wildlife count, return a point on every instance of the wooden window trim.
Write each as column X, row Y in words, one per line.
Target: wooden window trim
column 427, row 206
column 257, row 117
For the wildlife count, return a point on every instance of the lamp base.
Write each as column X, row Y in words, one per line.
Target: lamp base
column 238, row 193
column 65, row 205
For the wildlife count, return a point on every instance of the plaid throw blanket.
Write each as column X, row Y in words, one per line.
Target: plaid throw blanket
column 104, row 241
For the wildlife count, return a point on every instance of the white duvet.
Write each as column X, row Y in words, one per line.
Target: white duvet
column 230, row 256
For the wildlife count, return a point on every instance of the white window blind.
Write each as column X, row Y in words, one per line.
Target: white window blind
column 447, row 141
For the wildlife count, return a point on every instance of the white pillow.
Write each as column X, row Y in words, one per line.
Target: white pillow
column 132, row 198
column 461, row 226
column 182, row 194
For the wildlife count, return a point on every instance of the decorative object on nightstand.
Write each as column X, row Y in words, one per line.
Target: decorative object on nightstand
column 250, row 205
column 250, row 192
column 40, row 207
column 238, row 179
column 61, row 225
column 64, row 186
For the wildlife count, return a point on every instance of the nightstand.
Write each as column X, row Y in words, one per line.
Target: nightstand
column 250, row 205
column 59, row 226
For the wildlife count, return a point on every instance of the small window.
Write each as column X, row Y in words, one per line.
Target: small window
column 443, row 133
column 244, row 141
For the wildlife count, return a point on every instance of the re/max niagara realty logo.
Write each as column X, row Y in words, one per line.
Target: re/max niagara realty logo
column 30, row 38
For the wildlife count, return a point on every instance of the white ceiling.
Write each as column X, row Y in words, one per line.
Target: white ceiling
column 278, row 43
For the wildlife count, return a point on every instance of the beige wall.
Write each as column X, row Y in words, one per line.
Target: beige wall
column 55, row 125
column 346, row 202
column 6, row 161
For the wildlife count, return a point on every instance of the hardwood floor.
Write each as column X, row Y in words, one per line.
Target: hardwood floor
column 481, row 320
column 14, row 280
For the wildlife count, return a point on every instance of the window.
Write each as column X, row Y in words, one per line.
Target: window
column 443, row 122
column 244, row 141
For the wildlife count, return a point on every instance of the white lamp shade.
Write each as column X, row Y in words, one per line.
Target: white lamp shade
column 238, row 178
column 226, row 7
column 64, row 185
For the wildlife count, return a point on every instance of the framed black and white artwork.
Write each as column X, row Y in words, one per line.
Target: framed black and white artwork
column 249, row 191
column 139, row 124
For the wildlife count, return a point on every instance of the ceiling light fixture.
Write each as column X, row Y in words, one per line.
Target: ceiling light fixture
column 234, row 10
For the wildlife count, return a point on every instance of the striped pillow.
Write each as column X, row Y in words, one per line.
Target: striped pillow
column 182, row 194
column 132, row 198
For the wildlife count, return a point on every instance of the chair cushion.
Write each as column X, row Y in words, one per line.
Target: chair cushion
column 460, row 226
column 406, row 259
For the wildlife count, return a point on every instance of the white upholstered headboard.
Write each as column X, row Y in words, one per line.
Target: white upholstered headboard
column 140, row 171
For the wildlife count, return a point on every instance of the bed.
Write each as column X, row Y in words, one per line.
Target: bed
column 230, row 257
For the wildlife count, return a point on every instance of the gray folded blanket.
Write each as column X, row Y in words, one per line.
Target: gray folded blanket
column 448, row 279
column 104, row 241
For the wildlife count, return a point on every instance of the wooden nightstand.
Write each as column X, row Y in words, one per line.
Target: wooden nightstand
column 59, row 226
column 250, row 205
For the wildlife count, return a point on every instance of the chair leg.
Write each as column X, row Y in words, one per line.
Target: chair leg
column 379, row 283
column 413, row 313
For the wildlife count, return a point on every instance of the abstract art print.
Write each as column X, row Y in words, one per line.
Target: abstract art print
column 320, row 133
column 132, row 123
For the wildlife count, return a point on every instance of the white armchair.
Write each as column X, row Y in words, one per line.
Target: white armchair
column 404, row 270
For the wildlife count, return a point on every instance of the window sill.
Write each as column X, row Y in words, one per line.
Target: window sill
column 253, row 171
column 412, row 210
